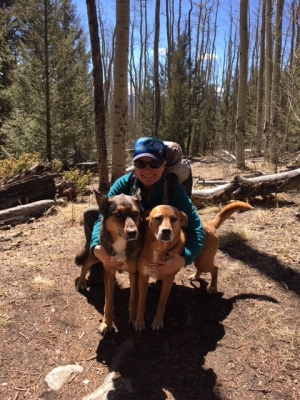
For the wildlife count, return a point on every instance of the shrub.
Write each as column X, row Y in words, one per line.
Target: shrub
column 79, row 179
column 11, row 167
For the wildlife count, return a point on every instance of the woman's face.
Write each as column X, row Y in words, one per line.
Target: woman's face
column 148, row 176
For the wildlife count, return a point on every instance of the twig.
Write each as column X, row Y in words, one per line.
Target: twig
column 259, row 390
column 21, row 334
column 90, row 366
column 91, row 358
column 285, row 285
column 25, row 372
column 81, row 336
column 38, row 379
column 72, row 377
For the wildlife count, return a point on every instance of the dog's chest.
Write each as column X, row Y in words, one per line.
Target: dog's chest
column 157, row 257
column 120, row 252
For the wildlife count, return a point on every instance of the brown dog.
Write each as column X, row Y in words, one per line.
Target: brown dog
column 205, row 262
column 121, row 235
column 163, row 236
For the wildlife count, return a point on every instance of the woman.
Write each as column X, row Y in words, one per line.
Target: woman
column 149, row 166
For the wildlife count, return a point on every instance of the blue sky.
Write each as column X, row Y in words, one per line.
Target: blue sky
column 226, row 8
column 82, row 11
column 110, row 15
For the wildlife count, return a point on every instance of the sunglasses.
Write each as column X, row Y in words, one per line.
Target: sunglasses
column 143, row 164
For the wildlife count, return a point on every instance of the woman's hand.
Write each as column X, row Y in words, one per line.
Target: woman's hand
column 100, row 252
column 170, row 267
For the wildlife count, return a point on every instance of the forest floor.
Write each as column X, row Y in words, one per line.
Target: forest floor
column 241, row 343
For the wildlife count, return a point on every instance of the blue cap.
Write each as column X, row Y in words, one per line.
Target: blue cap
column 149, row 147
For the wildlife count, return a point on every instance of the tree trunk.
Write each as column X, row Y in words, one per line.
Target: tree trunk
column 98, row 97
column 170, row 41
column 275, row 104
column 47, row 87
column 243, row 89
column 268, row 75
column 156, row 70
column 259, row 107
column 120, row 103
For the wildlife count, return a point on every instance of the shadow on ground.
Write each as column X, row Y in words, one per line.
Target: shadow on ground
column 171, row 360
column 266, row 264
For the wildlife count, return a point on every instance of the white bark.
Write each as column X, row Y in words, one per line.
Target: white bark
column 243, row 87
column 120, row 88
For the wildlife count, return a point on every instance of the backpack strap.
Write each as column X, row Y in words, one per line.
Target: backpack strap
column 133, row 186
column 167, row 187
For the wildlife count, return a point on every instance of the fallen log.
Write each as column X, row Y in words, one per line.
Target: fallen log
column 36, row 184
column 204, row 182
column 241, row 188
column 35, row 209
column 91, row 166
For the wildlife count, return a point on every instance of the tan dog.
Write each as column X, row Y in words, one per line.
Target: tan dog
column 163, row 237
column 205, row 262
column 121, row 235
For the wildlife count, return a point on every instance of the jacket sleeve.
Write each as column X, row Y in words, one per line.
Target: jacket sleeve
column 120, row 186
column 195, row 235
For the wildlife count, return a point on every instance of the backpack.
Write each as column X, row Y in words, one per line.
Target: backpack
column 176, row 166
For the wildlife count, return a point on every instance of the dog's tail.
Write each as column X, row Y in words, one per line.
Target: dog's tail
column 227, row 211
column 82, row 256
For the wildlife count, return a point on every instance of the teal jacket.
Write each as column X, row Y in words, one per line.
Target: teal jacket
column 195, row 236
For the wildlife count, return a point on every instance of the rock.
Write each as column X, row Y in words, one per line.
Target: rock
column 60, row 375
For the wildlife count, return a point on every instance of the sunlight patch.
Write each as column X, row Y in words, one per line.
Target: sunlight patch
column 43, row 282
column 238, row 233
column 4, row 320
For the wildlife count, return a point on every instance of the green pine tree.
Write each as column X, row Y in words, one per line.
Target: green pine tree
column 52, row 89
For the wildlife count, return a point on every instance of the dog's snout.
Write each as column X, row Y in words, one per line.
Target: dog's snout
column 166, row 233
column 132, row 234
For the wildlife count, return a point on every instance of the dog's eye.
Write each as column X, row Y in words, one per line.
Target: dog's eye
column 173, row 219
column 158, row 218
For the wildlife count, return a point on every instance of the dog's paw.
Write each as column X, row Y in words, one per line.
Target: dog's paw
column 104, row 328
column 157, row 324
column 132, row 317
column 194, row 276
column 139, row 326
column 211, row 289
column 80, row 285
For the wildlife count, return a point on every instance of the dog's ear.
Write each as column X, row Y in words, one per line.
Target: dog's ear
column 137, row 196
column 101, row 199
column 146, row 216
column 183, row 219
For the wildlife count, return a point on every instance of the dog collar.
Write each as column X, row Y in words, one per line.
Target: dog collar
column 169, row 257
column 114, row 257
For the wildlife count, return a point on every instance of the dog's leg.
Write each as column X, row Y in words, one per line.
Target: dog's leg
column 195, row 276
column 158, row 322
column 133, row 299
column 81, row 281
column 139, row 324
column 213, row 287
column 109, row 287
